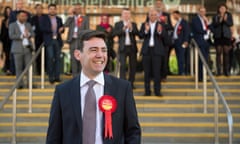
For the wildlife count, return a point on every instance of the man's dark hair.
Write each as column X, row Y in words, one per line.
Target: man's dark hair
column 87, row 35
column 52, row 5
column 38, row 5
column 176, row 12
column 21, row 11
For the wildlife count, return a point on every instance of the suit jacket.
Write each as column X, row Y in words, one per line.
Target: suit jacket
column 13, row 16
column 159, row 40
column 46, row 28
column 65, row 123
column 222, row 29
column 15, row 35
column 118, row 31
column 198, row 31
column 183, row 33
column 35, row 22
column 70, row 23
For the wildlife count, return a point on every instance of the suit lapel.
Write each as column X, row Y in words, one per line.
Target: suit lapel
column 76, row 100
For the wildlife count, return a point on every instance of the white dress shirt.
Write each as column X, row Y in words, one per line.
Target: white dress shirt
column 99, row 91
column 22, row 28
column 152, row 30
column 127, row 36
column 206, row 36
column 76, row 26
column 175, row 35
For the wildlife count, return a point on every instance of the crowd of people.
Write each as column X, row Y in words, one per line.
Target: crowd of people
column 160, row 32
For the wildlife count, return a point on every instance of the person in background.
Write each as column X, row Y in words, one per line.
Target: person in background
column 78, row 110
column 52, row 27
column 126, row 31
column 181, row 38
column 20, row 32
column 154, row 35
column 107, row 28
column 201, row 34
column 35, row 22
column 6, row 41
column 164, row 17
column 76, row 23
column 19, row 7
column 222, row 23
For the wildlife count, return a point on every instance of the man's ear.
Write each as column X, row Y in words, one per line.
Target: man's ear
column 77, row 54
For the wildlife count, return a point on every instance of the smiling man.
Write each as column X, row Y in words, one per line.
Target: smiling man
column 78, row 114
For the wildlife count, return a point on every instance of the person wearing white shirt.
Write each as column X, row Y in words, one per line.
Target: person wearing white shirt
column 154, row 36
column 68, row 122
column 126, row 31
column 201, row 33
column 20, row 33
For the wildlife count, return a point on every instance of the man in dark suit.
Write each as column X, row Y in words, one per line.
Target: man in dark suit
column 164, row 17
column 127, row 32
column 201, row 33
column 75, row 24
column 68, row 122
column 52, row 27
column 154, row 35
column 181, row 38
column 35, row 22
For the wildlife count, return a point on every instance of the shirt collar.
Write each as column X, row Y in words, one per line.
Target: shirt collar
column 84, row 79
column 19, row 23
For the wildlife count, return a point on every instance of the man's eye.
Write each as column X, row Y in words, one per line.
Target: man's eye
column 104, row 50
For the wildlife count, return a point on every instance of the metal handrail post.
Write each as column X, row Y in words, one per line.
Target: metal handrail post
column 204, row 89
column 196, row 68
column 14, row 112
column 191, row 61
column 30, row 83
column 42, row 67
column 216, row 120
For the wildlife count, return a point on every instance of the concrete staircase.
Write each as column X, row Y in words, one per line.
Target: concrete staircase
column 175, row 118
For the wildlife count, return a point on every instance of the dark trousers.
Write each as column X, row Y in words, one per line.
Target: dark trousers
column 128, row 52
column 181, row 57
column 165, row 67
column 38, row 43
column 53, row 51
column 152, row 69
column 204, row 48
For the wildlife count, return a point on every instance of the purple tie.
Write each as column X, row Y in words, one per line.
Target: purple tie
column 89, row 115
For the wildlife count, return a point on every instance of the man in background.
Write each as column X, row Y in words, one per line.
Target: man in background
column 126, row 31
column 52, row 27
column 75, row 23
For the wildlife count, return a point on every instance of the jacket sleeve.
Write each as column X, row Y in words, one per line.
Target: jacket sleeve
column 13, row 35
column 132, row 128
column 196, row 27
column 54, row 135
column 135, row 29
column 186, row 32
column 118, row 30
column 44, row 26
column 142, row 33
column 229, row 21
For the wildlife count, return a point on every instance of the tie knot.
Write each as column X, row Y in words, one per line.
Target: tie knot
column 91, row 83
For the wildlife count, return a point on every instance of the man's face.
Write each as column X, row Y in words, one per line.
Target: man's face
column 77, row 9
column 159, row 5
column 39, row 10
column 153, row 16
column 52, row 11
column 19, row 5
column 126, row 15
column 202, row 11
column 93, row 58
column 22, row 17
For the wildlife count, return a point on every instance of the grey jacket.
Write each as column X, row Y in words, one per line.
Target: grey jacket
column 15, row 35
column 70, row 23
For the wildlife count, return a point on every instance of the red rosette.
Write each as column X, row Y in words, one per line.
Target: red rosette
column 79, row 21
column 108, row 104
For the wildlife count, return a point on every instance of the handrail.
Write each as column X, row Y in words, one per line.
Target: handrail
column 13, row 92
column 217, row 93
column 5, row 100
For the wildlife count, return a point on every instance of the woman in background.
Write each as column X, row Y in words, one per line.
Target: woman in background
column 4, row 37
column 222, row 23
column 107, row 28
